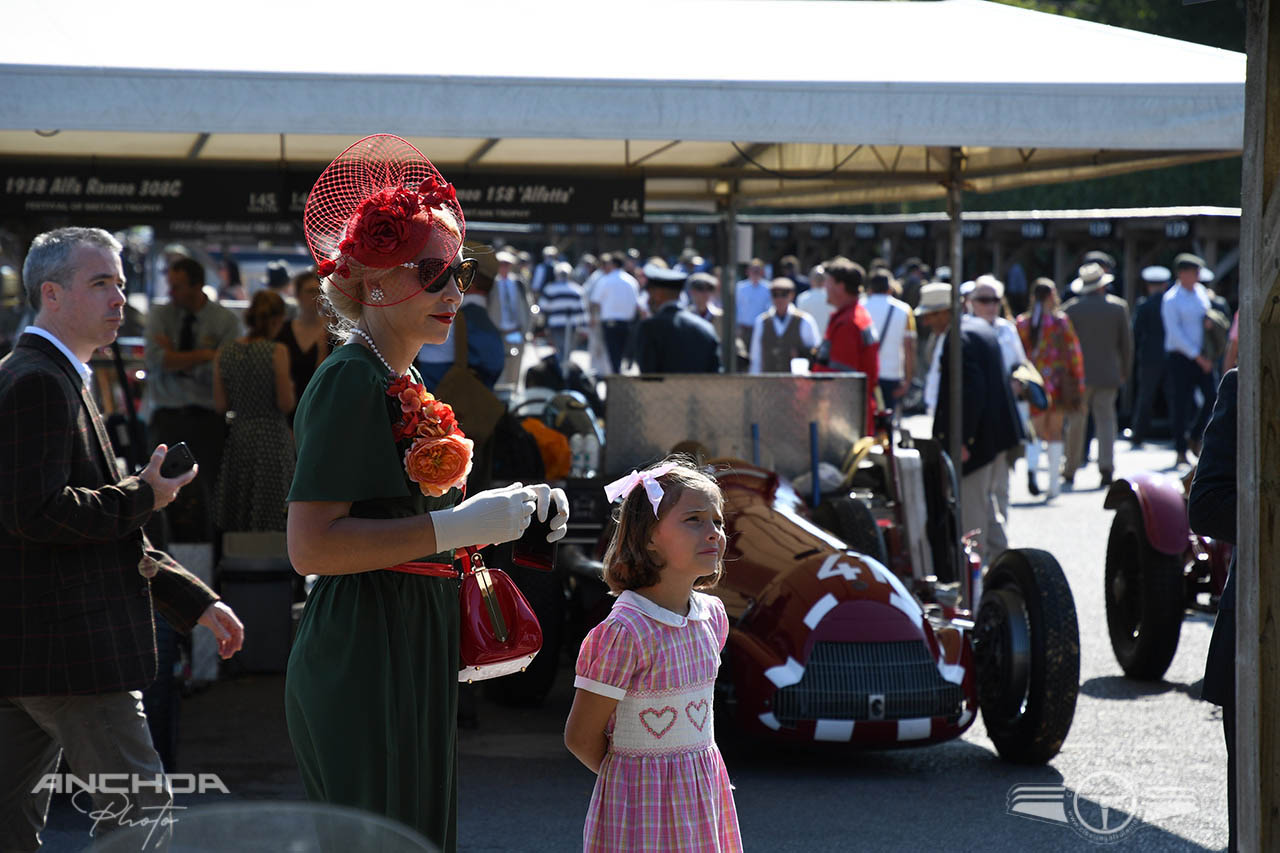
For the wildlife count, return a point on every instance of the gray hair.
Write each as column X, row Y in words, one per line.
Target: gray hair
column 49, row 258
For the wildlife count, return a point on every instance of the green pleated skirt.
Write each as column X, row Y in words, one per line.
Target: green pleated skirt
column 371, row 698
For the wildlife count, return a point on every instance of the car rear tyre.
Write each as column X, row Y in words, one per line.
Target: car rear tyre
column 851, row 519
column 1027, row 653
column 1145, row 597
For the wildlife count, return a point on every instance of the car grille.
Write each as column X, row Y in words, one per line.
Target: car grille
column 841, row 677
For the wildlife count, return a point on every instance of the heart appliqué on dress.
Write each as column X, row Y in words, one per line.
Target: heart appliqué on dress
column 700, row 707
column 662, row 723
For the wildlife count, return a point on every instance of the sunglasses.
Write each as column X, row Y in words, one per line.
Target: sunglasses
column 987, row 300
column 433, row 273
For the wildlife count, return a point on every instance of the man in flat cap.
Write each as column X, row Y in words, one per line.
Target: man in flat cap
column 1183, row 310
column 782, row 333
column 673, row 340
column 1148, row 351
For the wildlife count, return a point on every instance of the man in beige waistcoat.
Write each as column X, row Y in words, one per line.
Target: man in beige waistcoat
column 782, row 333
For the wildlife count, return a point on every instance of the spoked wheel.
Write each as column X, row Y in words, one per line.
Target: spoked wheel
column 1145, row 597
column 1027, row 652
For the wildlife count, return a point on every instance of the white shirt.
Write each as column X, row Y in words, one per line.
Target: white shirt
column 80, row 366
column 1010, row 344
column 1011, row 353
column 934, row 376
column 751, row 300
column 878, row 305
column 511, row 305
column 808, row 333
column 814, row 303
column 617, row 294
column 1183, row 313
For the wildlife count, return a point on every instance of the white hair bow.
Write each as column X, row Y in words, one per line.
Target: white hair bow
column 648, row 478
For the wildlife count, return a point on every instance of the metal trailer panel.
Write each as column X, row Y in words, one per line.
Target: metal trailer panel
column 649, row 415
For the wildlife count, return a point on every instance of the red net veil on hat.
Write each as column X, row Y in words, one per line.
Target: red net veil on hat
column 377, row 204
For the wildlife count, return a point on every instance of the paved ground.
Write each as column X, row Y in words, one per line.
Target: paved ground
column 521, row 791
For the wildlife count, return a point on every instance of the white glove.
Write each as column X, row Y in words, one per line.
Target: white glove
column 559, row 521
column 490, row 517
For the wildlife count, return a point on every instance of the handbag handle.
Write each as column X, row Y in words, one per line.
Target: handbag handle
column 473, row 565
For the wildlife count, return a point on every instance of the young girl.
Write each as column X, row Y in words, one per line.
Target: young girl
column 641, row 718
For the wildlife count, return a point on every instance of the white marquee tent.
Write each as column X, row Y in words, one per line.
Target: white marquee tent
column 716, row 103
column 841, row 102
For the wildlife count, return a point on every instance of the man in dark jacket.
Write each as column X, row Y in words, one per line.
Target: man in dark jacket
column 79, row 581
column 1148, row 351
column 990, row 423
column 1211, row 509
column 674, row 340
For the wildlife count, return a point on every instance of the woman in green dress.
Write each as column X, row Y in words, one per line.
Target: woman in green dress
column 376, row 507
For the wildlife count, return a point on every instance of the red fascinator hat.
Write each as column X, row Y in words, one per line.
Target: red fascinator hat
column 378, row 204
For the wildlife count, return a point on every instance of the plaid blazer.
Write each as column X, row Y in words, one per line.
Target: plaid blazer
column 76, row 614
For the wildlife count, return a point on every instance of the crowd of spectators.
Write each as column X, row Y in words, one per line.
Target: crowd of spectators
column 624, row 312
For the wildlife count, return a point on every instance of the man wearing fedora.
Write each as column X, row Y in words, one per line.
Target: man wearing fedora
column 1108, row 264
column 1184, row 310
column 1101, row 322
column 989, row 419
column 673, row 340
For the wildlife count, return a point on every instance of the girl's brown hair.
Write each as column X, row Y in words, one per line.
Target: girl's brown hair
column 629, row 563
column 265, row 307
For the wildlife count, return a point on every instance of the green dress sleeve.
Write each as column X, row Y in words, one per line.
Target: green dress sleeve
column 343, row 433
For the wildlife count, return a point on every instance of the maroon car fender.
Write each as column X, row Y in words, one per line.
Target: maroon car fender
column 1164, row 508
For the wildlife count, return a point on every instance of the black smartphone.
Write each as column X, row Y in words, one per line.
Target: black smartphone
column 532, row 550
column 178, row 461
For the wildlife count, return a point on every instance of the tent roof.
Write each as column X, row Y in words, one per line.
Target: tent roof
column 851, row 101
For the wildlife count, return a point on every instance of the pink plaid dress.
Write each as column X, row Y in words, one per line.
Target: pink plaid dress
column 663, row 785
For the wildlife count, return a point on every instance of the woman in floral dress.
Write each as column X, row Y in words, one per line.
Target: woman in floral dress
column 1052, row 346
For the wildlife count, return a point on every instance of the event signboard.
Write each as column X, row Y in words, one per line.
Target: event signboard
column 266, row 201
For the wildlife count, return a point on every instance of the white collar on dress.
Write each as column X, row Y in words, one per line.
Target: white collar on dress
column 699, row 611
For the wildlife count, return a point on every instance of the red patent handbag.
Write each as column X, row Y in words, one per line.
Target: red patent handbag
column 499, row 632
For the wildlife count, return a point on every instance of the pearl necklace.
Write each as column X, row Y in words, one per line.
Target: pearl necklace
column 362, row 333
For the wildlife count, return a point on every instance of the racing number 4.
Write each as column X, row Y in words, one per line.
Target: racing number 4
column 838, row 569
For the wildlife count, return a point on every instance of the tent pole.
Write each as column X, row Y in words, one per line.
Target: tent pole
column 955, row 205
column 728, row 275
column 1258, row 491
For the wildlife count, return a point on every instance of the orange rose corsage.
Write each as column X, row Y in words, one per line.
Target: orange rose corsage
column 439, row 455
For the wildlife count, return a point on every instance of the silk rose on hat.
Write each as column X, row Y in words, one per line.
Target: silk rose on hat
column 389, row 225
column 439, row 454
